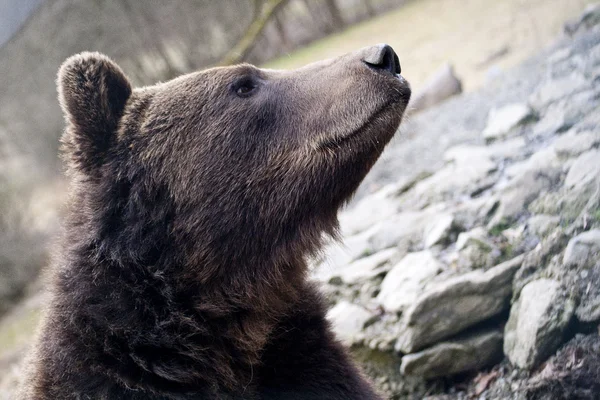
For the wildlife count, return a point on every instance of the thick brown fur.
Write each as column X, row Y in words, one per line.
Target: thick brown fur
column 194, row 206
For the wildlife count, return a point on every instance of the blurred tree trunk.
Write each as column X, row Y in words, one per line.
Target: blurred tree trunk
column 244, row 46
column 337, row 22
column 370, row 9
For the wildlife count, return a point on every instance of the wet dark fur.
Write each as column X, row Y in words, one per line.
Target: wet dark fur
column 182, row 271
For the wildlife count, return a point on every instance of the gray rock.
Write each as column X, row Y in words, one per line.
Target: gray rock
column 537, row 322
column 468, row 353
column 407, row 279
column 583, row 250
column 442, row 85
column 465, row 170
column 475, row 250
column 370, row 210
column 348, row 320
column 401, row 231
column 558, row 89
column 456, row 304
column 585, row 169
column 365, row 268
column 574, row 143
column 503, row 120
column 588, row 308
column 526, row 181
column 541, row 225
column 438, row 230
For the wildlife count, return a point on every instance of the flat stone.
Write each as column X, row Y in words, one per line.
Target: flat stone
column 465, row 169
column 438, row 230
column 557, row 89
column 456, row 304
column 585, row 168
column 475, row 250
column 407, row 279
column 468, row 353
column 574, row 143
column 401, row 231
column 537, row 322
column 365, row 268
column 527, row 180
column 541, row 225
column 369, row 211
column 583, row 250
column 503, row 120
column 348, row 320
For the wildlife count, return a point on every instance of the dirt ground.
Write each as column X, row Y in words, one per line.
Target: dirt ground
column 473, row 35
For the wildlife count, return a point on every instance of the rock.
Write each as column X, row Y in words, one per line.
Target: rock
column 585, row 169
column 370, row 210
column 588, row 308
column 401, row 231
column 348, row 320
column 503, row 120
column 456, row 304
column 527, row 180
column 537, row 322
column 583, row 250
column 558, row 89
column 438, row 231
column 468, row 353
column 406, row 280
column 442, row 85
column 464, row 173
column 477, row 235
column 339, row 254
column 541, row 225
column 574, row 143
column 589, row 19
column 475, row 250
column 364, row 269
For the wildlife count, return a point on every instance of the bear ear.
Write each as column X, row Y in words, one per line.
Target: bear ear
column 92, row 91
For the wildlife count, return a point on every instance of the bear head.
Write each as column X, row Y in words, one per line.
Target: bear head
column 232, row 172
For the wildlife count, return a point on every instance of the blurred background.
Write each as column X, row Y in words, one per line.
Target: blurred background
column 506, row 92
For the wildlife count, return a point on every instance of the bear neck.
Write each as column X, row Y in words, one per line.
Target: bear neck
column 130, row 291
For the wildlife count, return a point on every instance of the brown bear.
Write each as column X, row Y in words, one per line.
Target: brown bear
column 194, row 206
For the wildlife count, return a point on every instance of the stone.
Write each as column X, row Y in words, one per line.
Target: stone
column 537, row 323
column 348, row 320
column 583, row 250
column 541, row 225
column 503, row 120
column 584, row 169
column 369, row 211
column 365, row 268
column 557, row 89
column 588, row 308
column 337, row 255
column 456, row 304
column 574, row 143
column 438, row 230
column 465, row 170
column 442, row 85
column 406, row 280
column 468, row 353
column 401, row 231
column 475, row 250
column 527, row 180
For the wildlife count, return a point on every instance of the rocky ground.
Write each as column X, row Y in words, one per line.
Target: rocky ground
column 470, row 261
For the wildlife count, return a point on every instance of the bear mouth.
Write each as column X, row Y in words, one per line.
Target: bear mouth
column 335, row 142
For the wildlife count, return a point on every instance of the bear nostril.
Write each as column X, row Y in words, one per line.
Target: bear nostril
column 383, row 57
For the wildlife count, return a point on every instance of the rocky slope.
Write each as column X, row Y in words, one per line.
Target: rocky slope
column 470, row 262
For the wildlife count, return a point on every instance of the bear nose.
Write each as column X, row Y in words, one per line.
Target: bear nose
column 382, row 57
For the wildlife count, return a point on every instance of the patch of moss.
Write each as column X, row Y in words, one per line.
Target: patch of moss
column 497, row 229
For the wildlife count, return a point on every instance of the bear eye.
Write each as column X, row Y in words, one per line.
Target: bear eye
column 245, row 87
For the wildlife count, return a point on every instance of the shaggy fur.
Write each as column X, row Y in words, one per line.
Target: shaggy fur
column 194, row 206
